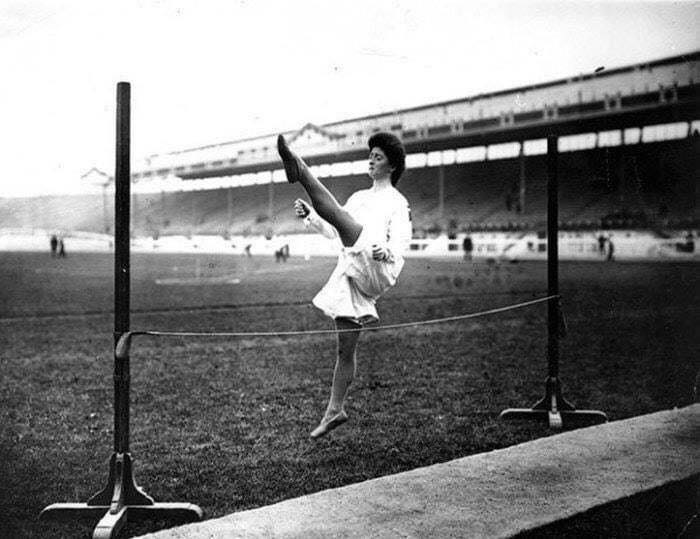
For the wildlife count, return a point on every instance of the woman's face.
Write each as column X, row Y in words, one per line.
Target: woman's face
column 379, row 166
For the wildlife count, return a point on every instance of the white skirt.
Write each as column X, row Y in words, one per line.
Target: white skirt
column 356, row 283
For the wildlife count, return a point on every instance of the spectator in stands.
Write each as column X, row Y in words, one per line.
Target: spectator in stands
column 374, row 227
column 53, row 242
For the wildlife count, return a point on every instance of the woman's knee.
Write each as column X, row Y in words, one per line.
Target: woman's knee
column 349, row 235
column 346, row 348
column 348, row 334
column 344, row 324
column 348, row 228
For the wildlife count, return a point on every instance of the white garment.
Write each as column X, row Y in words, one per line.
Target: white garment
column 358, row 280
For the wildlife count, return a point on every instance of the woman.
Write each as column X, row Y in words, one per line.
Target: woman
column 374, row 228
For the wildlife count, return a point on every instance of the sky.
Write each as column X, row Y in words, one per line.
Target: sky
column 206, row 71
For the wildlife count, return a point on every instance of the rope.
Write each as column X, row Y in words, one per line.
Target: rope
column 122, row 348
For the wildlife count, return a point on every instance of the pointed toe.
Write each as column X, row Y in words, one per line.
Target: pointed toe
column 329, row 424
column 289, row 160
column 282, row 147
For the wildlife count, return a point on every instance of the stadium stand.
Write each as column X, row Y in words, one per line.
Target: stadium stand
column 650, row 186
column 472, row 165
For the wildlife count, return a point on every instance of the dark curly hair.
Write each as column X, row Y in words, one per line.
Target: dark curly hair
column 393, row 148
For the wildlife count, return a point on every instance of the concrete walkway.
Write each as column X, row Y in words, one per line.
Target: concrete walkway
column 495, row 494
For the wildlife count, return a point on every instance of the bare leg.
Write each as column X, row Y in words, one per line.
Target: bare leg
column 343, row 374
column 345, row 366
column 322, row 199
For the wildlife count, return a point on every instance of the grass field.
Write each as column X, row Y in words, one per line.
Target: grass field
column 224, row 423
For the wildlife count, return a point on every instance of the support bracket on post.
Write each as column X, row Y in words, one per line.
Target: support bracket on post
column 121, row 498
column 554, row 409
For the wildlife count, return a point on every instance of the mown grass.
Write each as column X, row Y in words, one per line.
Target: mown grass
column 224, row 423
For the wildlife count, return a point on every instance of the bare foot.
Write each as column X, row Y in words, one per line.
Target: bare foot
column 328, row 423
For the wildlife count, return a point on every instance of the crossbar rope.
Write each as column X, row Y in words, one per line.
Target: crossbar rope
column 124, row 343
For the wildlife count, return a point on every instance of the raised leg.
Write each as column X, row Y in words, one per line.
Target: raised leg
column 322, row 199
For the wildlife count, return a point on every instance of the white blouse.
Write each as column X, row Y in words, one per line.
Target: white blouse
column 384, row 215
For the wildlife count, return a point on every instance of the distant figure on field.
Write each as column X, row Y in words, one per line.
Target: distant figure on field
column 468, row 247
column 601, row 244
column 282, row 254
column 61, row 249
column 611, row 250
column 688, row 246
column 247, row 250
column 54, row 244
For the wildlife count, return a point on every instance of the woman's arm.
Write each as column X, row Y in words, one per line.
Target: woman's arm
column 400, row 232
column 312, row 219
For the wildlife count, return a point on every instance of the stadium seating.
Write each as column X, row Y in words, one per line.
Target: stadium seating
column 651, row 186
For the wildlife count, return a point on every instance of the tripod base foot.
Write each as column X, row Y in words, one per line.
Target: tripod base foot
column 113, row 521
column 556, row 418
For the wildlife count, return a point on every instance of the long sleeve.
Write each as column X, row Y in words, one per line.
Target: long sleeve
column 314, row 220
column 400, row 231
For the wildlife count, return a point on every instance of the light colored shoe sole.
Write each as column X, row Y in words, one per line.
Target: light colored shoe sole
column 332, row 423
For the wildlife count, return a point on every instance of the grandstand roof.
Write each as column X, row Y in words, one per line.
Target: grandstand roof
column 642, row 93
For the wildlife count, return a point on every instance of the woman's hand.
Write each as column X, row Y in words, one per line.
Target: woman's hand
column 380, row 252
column 301, row 208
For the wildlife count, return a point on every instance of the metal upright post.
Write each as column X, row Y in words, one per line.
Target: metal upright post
column 122, row 265
column 522, row 178
column 553, row 407
column 121, row 494
column 553, row 312
column 270, row 199
column 441, row 191
column 229, row 208
column 105, row 211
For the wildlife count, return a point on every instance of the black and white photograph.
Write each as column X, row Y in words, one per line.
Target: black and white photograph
column 349, row 269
